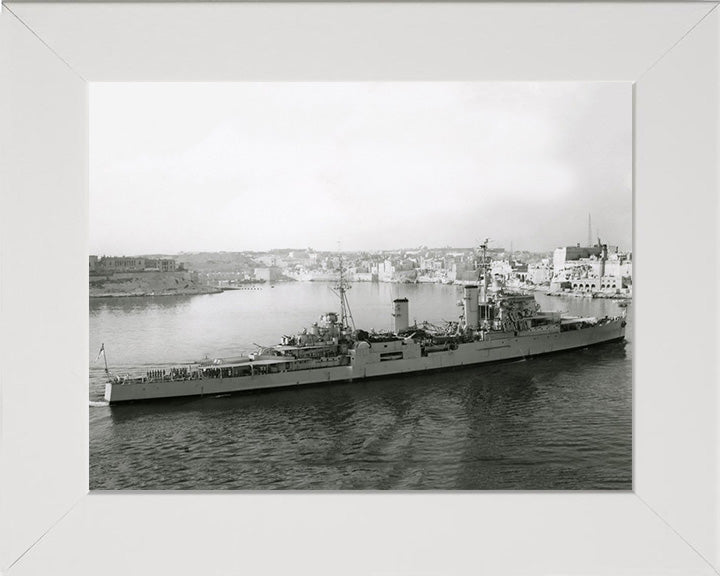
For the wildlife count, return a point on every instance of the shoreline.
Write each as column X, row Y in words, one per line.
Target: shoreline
column 256, row 286
column 154, row 294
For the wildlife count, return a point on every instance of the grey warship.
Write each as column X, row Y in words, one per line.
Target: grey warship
column 492, row 327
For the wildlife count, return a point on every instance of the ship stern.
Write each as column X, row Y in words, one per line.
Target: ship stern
column 108, row 391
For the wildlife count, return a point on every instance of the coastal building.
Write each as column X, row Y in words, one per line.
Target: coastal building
column 519, row 272
column 385, row 271
column 121, row 264
column 540, row 272
column 161, row 264
column 269, row 274
column 573, row 254
column 111, row 264
column 501, row 268
column 431, row 264
column 599, row 268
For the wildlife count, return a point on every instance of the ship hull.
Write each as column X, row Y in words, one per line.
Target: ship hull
column 411, row 361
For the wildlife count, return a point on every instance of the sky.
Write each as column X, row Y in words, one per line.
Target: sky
column 358, row 166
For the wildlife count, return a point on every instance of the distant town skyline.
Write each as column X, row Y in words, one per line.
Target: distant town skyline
column 397, row 249
column 358, row 166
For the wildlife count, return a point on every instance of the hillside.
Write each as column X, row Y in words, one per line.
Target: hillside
column 208, row 262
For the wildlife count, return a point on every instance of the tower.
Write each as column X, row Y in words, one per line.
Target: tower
column 589, row 231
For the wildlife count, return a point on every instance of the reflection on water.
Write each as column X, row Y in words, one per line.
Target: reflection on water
column 556, row 422
column 141, row 304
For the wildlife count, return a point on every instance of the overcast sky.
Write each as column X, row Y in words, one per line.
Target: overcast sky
column 191, row 167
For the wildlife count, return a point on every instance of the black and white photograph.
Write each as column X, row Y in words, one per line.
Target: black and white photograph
column 361, row 286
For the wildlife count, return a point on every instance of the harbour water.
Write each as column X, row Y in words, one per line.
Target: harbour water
column 558, row 422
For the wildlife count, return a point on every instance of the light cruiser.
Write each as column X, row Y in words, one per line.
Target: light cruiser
column 490, row 329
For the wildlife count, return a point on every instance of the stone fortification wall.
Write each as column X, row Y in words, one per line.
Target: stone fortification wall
column 147, row 284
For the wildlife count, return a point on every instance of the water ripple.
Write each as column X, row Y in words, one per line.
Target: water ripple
column 557, row 422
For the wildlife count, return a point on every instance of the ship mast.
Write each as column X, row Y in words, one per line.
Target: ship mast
column 483, row 272
column 341, row 289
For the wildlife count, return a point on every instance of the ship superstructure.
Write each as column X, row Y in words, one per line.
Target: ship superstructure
column 491, row 328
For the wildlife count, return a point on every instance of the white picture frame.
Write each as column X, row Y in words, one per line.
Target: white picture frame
column 49, row 524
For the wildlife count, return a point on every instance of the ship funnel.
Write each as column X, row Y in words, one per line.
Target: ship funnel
column 470, row 306
column 400, row 313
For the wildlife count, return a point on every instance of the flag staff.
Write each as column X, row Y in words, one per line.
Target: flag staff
column 102, row 353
